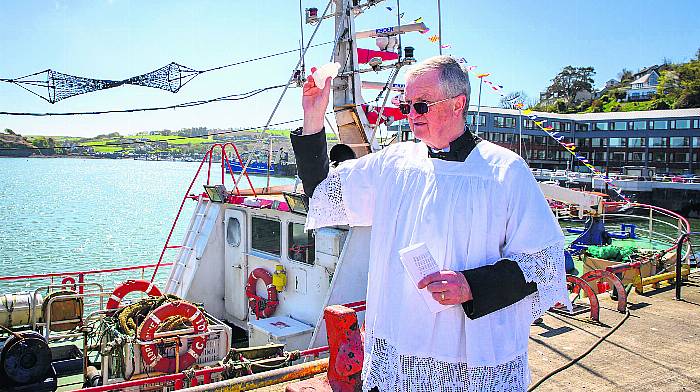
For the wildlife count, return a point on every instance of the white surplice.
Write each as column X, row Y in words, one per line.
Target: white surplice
column 470, row 214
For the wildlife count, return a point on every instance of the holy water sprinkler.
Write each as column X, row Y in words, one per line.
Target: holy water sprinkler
column 324, row 72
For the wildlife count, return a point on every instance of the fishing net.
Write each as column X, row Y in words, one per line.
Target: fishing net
column 620, row 254
column 53, row 86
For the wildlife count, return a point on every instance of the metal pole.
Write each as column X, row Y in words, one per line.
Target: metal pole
column 440, row 28
column 520, row 132
column 478, row 107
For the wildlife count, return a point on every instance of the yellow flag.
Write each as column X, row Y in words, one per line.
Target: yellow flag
column 527, row 111
column 418, row 20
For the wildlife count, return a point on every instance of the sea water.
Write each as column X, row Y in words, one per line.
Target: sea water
column 65, row 214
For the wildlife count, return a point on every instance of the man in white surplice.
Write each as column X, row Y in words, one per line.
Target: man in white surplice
column 481, row 214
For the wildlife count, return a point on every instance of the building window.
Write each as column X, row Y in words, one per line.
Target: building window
column 696, row 141
column 600, row 156
column 639, row 125
column 636, row 142
column 582, row 127
column 618, row 156
column 471, row 119
column 529, row 124
column 539, row 140
column 620, row 126
column 503, row 122
column 658, row 142
column 617, row 142
column 679, row 157
column 599, row 142
column 601, row 126
column 636, row 156
column 265, row 235
column 696, row 124
column 680, row 124
column 583, row 142
column 301, row 244
column 661, row 124
column 658, row 156
column 680, row 142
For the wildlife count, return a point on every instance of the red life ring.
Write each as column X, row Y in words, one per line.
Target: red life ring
column 261, row 307
column 129, row 286
column 147, row 330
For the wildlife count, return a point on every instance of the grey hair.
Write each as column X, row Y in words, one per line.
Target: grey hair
column 453, row 79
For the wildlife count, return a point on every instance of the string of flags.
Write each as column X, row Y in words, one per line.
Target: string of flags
column 571, row 148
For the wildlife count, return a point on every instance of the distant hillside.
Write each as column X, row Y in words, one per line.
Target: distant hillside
column 658, row 87
column 9, row 141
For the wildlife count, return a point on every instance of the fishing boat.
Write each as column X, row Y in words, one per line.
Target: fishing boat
column 250, row 298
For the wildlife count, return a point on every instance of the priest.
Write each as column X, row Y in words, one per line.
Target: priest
column 481, row 214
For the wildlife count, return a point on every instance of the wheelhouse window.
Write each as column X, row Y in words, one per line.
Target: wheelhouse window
column 266, row 235
column 301, row 244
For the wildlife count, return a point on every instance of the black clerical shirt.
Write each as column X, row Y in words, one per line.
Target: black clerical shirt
column 493, row 287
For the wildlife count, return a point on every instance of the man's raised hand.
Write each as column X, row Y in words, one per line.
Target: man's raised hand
column 315, row 102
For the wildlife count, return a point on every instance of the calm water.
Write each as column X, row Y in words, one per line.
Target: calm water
column 79, row 214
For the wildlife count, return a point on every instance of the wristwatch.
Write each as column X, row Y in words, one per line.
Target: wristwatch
column 298, row 132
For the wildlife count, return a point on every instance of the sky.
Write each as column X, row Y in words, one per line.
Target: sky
column 522, row 44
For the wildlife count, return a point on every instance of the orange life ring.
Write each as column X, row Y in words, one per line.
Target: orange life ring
column 147, row 330
column 129, row 286
column 262, row 308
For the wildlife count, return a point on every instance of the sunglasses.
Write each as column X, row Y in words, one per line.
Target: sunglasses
column 419, row 107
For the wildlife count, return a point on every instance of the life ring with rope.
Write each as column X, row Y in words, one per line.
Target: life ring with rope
column 147, row 331
column 262, row 308
column 129, row 286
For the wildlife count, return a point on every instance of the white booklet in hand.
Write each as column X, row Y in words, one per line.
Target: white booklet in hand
column 419, row 263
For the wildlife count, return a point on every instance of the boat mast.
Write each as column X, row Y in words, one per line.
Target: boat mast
column 353, row 127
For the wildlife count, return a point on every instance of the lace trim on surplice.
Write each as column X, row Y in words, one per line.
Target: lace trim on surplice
column 389, row 371
column 545, row 267
column 326, row 206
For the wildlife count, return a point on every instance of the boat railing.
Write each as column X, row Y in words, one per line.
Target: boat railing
column 77, row 280
column 208, row 158
column 685, row 237
column 656, row 219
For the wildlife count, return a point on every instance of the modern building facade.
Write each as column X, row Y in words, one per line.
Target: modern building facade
column 666, row 140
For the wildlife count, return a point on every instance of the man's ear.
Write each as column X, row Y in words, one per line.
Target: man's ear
column 459, row 104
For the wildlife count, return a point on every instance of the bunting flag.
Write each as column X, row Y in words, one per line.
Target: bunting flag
column 446, row 46
column 571, row 148
column 434, row 38
column 424, row 31
column 483, row 75
column 420, row 19
column 518, row 105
